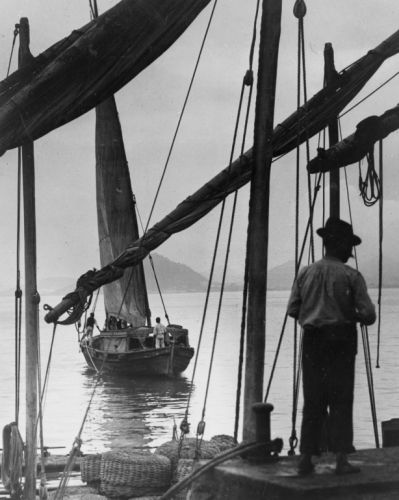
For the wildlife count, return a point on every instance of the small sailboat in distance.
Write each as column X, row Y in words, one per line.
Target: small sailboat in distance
column 127, row 344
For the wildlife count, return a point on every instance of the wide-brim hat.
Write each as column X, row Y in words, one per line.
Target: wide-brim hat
column 339, row 230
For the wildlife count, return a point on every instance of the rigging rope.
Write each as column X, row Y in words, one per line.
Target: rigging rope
column 247, row 81
column 365, row 338
column 308, row 225
column 18, row 295
column 43, row 480
column 158, row 288
column 299, row 12
column 47, row 374
column 369, row 95
column 16, row 33
column 241, row 350
column 75, row 451
column 182, row 112
column 380, row 238
column 154, row 272
column 370, row 382
column 93, row 8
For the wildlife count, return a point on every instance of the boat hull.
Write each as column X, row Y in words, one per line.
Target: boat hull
column 171, row 360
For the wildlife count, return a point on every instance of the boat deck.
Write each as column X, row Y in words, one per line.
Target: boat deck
column 378, row 479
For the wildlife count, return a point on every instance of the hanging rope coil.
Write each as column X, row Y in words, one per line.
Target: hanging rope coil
column 12, row 458
column 369, row 185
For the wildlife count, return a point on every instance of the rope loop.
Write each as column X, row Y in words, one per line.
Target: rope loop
column 370, row 185
column 293, row 441
column 299, row 9
column 12, row 458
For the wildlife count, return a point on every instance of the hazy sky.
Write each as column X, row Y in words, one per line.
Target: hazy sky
column 149, row 107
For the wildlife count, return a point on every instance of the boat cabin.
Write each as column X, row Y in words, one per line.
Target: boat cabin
column 139, row 338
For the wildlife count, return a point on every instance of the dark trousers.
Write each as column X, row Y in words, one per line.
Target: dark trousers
column 328, row 359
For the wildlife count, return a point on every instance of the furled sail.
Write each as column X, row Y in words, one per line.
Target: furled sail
column 329, row 102
column 91, row 64
column 125, row 298
column 301, row 125
column 355, row 147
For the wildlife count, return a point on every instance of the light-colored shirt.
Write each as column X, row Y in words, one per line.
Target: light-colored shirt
column 328, row 293
column 159, row 330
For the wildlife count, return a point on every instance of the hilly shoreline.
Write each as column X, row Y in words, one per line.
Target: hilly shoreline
column 174, row 277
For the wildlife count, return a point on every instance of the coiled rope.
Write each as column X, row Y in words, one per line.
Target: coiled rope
column 11, row 462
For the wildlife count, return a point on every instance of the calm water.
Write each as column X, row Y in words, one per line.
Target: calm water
column 143, row 411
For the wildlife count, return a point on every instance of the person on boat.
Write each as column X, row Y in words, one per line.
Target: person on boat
column 159, row 333
column 112, row 323
column 328, row 298
column 90, row 324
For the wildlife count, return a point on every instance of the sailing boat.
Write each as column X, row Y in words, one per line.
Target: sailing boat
column 127, row 344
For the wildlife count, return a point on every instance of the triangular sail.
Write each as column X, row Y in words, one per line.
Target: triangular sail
column 90, row 65
column 125, row 298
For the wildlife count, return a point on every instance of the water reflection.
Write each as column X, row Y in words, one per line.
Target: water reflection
column 133, row 412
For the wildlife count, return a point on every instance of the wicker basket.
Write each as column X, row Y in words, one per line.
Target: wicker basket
column 74, row 495
column 128, row 474
column 120, row 491
column 183, row 469
column 171, row 450
column 90, row 468
column 224, row 442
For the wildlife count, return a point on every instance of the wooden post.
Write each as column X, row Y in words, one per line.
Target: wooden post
column 329, row 75
column 31, row 295
column 258, row 227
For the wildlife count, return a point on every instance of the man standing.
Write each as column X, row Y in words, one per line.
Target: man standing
column 159, row 333
column 328, row 298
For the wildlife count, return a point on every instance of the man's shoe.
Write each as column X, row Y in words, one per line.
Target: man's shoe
column 346, row 468
column 305, row 466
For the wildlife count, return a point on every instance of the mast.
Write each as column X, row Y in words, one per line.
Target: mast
column 329, row 75
column 31, row 296
column 258, row 228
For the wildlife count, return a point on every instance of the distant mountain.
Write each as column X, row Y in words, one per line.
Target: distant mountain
column 172, row 276
column 175, row 277
column 281, row 277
